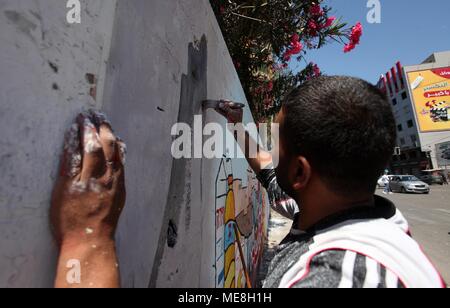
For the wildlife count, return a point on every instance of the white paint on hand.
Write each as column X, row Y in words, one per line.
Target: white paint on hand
column 122, row 150
column 95, row 186
column 78, row 187
column 91, row 138
column 72, row 151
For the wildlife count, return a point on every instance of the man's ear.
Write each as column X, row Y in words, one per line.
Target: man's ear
column 302, row 173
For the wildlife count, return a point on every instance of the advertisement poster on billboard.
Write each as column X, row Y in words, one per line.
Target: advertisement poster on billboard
column 431, row 97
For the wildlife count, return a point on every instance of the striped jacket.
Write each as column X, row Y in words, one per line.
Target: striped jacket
column 368, row 246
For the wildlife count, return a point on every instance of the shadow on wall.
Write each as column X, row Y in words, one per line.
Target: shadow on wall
column 193, row 91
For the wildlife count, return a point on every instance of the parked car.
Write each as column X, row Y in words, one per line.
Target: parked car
column 432, row 179
column 408, row 184
column 381, row 183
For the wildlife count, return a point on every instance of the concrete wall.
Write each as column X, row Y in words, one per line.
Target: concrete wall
column 154, row 61
column 43, row 67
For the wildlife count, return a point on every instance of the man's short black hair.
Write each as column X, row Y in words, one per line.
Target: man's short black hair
column 345, row 127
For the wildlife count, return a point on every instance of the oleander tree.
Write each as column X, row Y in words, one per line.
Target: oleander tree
column 265, row 36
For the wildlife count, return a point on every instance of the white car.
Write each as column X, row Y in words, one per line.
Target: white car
column 408, row 184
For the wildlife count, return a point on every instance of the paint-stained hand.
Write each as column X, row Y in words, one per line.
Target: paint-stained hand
column 231, row 111
column 89, row 195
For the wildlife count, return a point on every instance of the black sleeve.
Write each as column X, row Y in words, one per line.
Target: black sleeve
column 278, row 199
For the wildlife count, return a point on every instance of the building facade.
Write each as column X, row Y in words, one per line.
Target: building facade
column 420, row 99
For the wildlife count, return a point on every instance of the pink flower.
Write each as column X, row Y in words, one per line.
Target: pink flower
column 312, row 25
column 312, row 28
column 356, row 34
column 355, row 37
column 329, row 22
column 316, row 10
column 270, row 86
column 296, row 48
column 349, row 47
column 316, row 70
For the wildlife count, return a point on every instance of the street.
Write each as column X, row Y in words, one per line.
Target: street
column 428, row 217
column 429, row 220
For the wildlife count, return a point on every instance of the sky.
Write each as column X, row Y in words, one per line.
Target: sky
column 410, row 31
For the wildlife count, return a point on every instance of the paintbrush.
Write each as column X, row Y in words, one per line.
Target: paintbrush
column 214, row 104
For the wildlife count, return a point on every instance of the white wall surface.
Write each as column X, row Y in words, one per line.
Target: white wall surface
column 155, row 61
column 37, row 103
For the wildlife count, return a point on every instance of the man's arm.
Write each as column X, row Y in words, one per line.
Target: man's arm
column 279, row 201
column 257, row 161
column 261, row 163
column 95, row 259
column 86, row 204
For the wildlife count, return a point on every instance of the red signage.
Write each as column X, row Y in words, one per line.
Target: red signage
column 433, row 94
column 443, row 72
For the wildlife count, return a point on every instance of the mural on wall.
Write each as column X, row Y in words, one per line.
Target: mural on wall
column 239, row 203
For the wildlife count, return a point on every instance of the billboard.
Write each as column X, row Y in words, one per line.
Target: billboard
column 443, row 154
column 431, row 97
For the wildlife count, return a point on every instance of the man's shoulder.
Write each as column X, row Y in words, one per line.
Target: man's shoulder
column 332, row 268
column 344, row 269
column 363, row 253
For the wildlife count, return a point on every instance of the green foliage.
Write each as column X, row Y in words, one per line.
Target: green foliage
column 262, row 35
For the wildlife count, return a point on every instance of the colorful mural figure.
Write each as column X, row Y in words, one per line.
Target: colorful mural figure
column 229, row 237
column 243, row 206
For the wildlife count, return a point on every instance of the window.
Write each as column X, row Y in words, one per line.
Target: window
column 394, row 101
column 402, row 141
column 399, row 127
column 413, row 139
column 404, row 95
column 410, row 123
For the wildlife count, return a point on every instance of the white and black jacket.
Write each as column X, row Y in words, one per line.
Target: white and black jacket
column 368, row 246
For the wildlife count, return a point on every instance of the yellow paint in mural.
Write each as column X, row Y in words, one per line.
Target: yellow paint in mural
column 229, row 236
column 230, row 269
column 431, row 98
column 241, row 280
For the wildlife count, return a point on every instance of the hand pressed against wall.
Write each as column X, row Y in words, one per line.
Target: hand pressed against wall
column 88, row 198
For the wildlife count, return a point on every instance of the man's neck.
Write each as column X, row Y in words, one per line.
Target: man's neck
column 318, row 206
